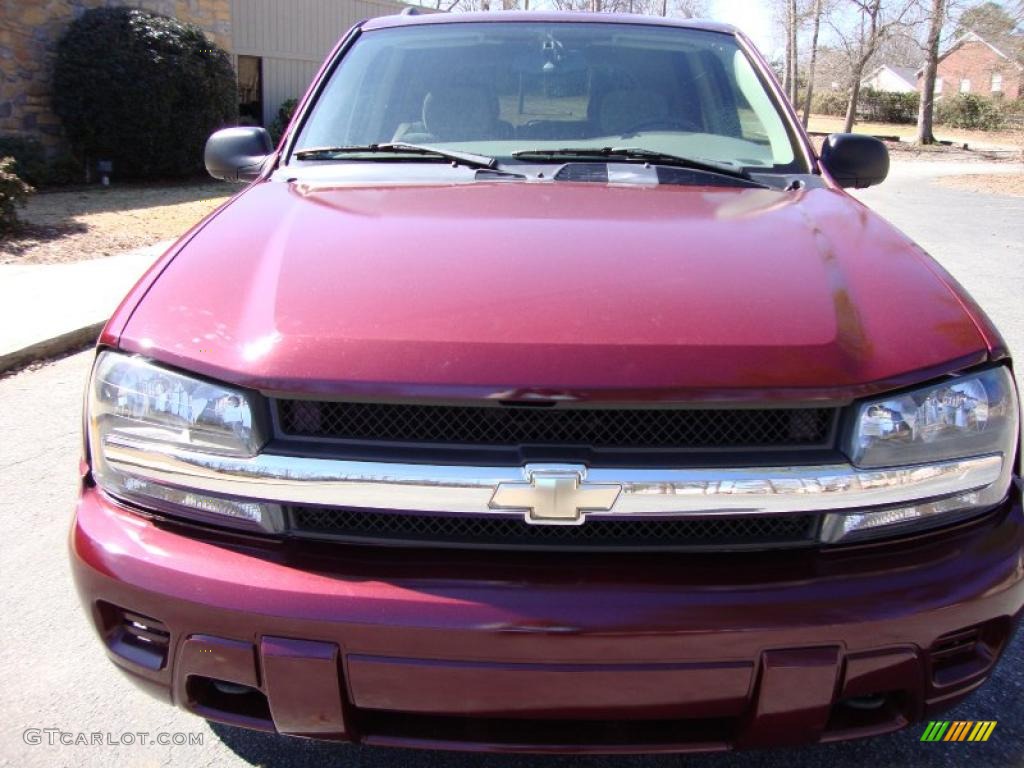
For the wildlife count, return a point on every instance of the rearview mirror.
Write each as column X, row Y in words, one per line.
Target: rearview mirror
column 237, row 154
column 854, row 160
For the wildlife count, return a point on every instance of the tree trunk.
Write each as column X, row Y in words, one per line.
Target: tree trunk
column 851, row 105
column 787, row 68
column 926, row 109
column 664, row 7
column 818, row 8
column 793, row 57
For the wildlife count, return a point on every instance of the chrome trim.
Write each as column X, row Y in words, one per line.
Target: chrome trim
column 469, row 490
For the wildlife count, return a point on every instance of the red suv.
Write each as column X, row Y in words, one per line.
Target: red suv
column 545, row 391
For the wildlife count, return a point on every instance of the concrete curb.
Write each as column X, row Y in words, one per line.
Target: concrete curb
column 53, row 347
column 47, row 310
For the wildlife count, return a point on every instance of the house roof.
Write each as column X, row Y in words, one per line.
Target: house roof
column 906, row 74
column 382, row 22
column 973, row 37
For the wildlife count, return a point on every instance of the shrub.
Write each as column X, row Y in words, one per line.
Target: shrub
column 142, row 90
column 13, row 193
column 284, row 116
column 32, row 163
column 888, row 107
column 829, row 103
column 968, row 110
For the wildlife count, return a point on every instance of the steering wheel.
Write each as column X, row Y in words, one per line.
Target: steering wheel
column 663, row 122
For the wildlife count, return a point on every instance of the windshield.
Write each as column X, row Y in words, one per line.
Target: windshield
column 500, row 88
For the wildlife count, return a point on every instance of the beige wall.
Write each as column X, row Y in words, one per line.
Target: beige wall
column 294, row 37
column 29, row 31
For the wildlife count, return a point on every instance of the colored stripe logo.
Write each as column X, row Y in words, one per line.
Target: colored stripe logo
column 959, row 730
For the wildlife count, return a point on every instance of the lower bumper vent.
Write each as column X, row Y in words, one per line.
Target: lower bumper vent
column 137, row 638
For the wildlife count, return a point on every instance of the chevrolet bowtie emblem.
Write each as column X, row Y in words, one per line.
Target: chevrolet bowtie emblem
column 555, row 495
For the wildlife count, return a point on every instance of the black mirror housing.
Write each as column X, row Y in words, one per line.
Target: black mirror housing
column 855, row 160
column 237, row 154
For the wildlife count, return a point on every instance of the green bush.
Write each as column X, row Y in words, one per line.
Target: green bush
column 34, row 165
column 142, row 90
column 829, row 103
column 13, row 193
column 968, row 110
column 888, row 107
column 284, row 116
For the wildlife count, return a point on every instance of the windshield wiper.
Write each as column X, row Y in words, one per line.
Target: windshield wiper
column 638, row 155
column 398, row 148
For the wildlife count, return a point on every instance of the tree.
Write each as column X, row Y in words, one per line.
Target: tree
column 989, row 20
column 878, row 20
column 142, row 90
column 819, row 9
column 792, row 55
column 931, row 65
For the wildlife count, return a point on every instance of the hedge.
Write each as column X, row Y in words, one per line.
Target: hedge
column 888, row 107
column 142, row 90
column 282, row 119
column 13, row 193
column 33, row 164
column 969, row 110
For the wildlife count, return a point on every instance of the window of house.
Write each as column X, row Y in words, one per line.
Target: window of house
column 997, row 82
column 965, row 85
column 938, row 86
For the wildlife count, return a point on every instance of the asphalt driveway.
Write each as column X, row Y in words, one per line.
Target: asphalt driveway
column 53, row 673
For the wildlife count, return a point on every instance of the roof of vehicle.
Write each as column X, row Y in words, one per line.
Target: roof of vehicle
column 401, row 20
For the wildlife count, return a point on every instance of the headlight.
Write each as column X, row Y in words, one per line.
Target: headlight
column 134, row 403
column 966, row 416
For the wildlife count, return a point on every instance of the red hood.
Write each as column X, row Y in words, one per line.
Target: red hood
column 587, row 290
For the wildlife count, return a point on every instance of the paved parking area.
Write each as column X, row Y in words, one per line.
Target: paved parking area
column 53, row 673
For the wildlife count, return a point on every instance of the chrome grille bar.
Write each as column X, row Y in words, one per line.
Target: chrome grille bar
column 469, row 490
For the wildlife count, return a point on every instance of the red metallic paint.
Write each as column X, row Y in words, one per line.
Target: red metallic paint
column 599, row 292
column 582, row 290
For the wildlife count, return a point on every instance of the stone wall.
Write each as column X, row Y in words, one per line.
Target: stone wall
column 29, row 31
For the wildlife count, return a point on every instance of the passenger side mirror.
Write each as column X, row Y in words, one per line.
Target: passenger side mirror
column 854, row 160
column 237, row 154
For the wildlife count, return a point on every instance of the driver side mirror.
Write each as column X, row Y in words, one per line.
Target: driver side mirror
column 237, row 154
column 854, row 160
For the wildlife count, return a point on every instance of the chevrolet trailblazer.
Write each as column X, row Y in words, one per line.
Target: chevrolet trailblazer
column 544, row 390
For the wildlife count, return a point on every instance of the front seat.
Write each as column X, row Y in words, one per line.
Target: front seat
column 463, row 112
column 620, row 111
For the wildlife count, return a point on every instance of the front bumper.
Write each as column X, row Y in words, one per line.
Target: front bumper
column 551, row 652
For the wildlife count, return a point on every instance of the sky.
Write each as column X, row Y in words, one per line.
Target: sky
column 752, row 16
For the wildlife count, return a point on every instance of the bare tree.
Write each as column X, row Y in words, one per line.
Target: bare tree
column 792, row 31
column 878, row 20
column 819, row 9
column 926, row 109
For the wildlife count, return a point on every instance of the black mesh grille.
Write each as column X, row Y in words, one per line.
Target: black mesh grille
column 513, row 426
column 502, row 531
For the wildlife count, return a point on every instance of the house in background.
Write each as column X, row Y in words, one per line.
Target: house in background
column 891, row 79
column 277, row 47
column 986, row 68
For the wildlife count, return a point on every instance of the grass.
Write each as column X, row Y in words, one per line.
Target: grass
column 92, row 222
column 1008, row 139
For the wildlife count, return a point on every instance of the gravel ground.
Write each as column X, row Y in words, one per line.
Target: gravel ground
column 54, row 674
column 92, row 222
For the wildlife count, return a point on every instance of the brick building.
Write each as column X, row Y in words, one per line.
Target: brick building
column 978, row 66
column 276, row 46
